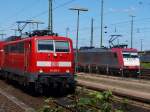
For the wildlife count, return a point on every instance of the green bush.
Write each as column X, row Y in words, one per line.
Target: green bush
column 90, row 102
column 145, row 65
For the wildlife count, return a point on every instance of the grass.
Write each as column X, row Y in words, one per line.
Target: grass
column 145, row 65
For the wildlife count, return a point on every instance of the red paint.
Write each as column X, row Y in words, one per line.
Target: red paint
column 1, row 54
column 119, row 52
column 27, row 61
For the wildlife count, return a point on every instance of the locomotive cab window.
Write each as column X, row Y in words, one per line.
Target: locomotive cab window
column 130, row 55
column 126, row 55
column 134, row 55
column 45, row 45
column 61, row 46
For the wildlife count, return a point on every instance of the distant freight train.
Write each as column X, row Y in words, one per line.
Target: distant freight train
column 41, row 62
column 124, row 61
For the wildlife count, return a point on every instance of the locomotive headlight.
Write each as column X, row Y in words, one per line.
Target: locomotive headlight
column 67, row 71
column 41, row 71
column 55, row 54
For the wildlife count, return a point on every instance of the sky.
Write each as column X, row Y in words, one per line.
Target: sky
column 117, row 19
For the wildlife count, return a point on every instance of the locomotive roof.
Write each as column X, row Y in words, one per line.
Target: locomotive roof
column 108, row 50
column 38, row 37
column 96, row 50
column 125, row 49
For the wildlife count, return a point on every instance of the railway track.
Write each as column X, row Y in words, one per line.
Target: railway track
column 141, row 97
column 146, row 71
column 137, row 90
column 19, row 97
column 131, row 103
column 145, row 74
column 7, row 105
column 138, row 80
column 68, row 104
column 17, row 102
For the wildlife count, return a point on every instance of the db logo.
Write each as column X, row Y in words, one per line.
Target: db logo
column 55, row 64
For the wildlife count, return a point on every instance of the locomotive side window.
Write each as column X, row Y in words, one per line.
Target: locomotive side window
column 15, row 48
column 20, row 47
column 6, row 49
column 45, row 45
column 61, row 46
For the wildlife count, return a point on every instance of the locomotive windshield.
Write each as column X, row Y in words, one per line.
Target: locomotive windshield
column 45, row 45
column 61, row 46
column 51, row 45
column 130, row 55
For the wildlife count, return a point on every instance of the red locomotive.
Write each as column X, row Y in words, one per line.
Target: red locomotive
column 128, row 60
column 124, row 61
column 40, row 61
column 1, row 54
column 118, row 59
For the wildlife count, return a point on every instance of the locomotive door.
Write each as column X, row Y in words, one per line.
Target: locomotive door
column 27, row 55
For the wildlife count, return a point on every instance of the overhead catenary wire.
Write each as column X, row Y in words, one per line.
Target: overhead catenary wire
column 112, row 24
column 20, row 12
column 71, row 1
column 59, row 6
column 44, row 12
column 68, row 2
